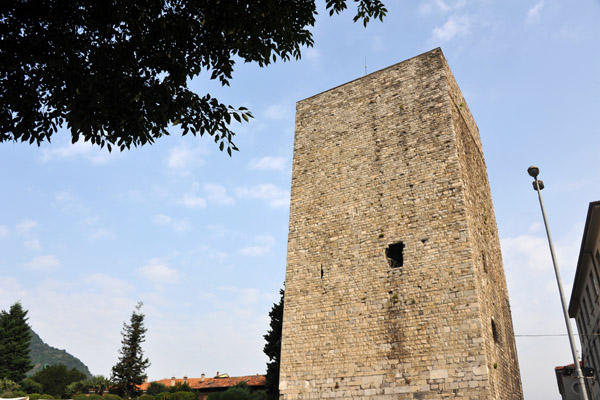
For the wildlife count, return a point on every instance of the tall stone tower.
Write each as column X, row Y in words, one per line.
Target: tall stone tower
column 394, row 284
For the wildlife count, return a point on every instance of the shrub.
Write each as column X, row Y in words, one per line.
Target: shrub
column 37, row 396
column 156, row 388
column 236, row 393
column 111, row 397
column 259, row 395
column 31, row 386
column 95, row 396
column 163, row 396
column 183, row 395
column 146, row 397
column 80, row 396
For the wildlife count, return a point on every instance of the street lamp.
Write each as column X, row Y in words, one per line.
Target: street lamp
column 538, row 185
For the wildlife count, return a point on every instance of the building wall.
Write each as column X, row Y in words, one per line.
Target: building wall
column 568, row 386
column 394, row 157
column 584, row 305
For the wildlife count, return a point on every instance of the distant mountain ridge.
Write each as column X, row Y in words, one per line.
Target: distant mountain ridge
column 42, row 354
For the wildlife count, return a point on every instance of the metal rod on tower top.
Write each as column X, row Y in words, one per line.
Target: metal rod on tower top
column 538, row 185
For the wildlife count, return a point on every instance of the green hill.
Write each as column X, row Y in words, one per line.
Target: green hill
column 42, row 354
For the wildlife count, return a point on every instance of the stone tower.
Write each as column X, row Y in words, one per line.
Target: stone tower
column 394, row 286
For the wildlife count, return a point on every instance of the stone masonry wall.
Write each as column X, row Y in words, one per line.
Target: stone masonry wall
column 385, row 160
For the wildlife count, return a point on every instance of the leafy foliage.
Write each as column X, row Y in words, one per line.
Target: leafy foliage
column 15, row 336
column 180, row 387
column 156, row 388
column 110, row 396
column 117, row 73
column 183, row 395
column 42, row 354
column 240, row 391
column 273, row 348
column 128, row 373
column 7, row 387
column 163, row 396
column 146, row 397
column 55, row 379
column 37, row 396
column 31, row 386
column 99, row 384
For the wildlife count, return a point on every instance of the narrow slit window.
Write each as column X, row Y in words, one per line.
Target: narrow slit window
column 495, row 332
column 395, row 254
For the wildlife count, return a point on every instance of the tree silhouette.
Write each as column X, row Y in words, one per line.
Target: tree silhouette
column 129, row 372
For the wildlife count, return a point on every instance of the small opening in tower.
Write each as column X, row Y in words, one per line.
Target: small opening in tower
column 321, row 271
column 395, row 254
column 495, row 332
column 484, row 260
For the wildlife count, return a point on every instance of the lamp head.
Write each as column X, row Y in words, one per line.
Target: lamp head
column 533, row 171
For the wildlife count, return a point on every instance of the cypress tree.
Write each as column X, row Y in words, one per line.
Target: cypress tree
column 128, row 373
column 15, row 335
column 273, row 348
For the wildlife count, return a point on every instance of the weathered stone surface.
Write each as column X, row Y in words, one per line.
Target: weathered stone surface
column 394, row 273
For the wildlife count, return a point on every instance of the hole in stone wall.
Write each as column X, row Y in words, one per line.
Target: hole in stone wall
column 495, row 332
column 484, row 261
column 321, row 271
column 395, row 254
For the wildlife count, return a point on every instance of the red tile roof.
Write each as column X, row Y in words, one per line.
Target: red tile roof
column 209, row 383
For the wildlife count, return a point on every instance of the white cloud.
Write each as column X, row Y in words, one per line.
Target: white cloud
column 311, row 54
column 247, row 295
column 535, row 227
column 268, row 163
column 70, row 204
column 455, row 26
column 90, row 220
column 193, row 201
column 25, row 227
column 278, row 112
column 3, row 231
column 377, row 44
column 94, row 154
column 182, row 158
column 263, row 245
column 273, row 195
column 107, row 283
column 32, row 244
column 220, row 256
column 43, row 263
column 158, row 272
column 534, row 13
column 178, row 225
column 530, row 252
column 101, row 233
column 440, row 6
column 218, row 194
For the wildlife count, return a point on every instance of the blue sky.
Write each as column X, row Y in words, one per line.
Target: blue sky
column 200, row 238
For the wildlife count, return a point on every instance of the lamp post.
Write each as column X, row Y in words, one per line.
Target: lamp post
column 538, row 185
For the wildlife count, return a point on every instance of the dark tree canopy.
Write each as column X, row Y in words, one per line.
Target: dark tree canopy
column 273, row 348
column 55, row 379
column 116, row 72
column 129, row 372
column 156, row 388
column 15, row 336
